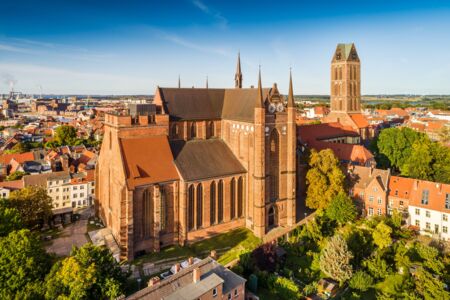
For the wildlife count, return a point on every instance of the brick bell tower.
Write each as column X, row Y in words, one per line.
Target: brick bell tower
column 346, row 80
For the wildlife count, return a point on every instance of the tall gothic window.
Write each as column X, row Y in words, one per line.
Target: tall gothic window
column 274, row 164
column 220, row 202
column 211, row 129
column 240, row 197
column 148, row 213
column 164, row 219
column 174, row 130
column 232, row 198
column 193, row 130
column 191, row 207
column 199, row 205
column 212, row 205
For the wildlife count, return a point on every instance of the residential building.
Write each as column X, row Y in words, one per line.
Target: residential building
column 369, row 188
column 204, row 280
column 429, row 208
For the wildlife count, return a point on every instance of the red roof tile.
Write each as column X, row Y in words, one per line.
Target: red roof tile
column 359, row 120
column 19, row 157
column 148, row 160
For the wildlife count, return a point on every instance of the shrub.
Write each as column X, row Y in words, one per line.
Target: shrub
column 361, row 281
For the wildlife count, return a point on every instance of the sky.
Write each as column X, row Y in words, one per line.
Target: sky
column 130, row 47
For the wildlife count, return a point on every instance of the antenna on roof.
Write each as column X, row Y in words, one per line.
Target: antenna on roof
column 179, row 81
column 206, row 81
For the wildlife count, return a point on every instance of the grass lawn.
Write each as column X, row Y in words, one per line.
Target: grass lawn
column 229, row 246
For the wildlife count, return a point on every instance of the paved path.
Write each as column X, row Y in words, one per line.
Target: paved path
column 72, row 235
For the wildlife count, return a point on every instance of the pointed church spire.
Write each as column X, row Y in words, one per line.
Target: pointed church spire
column 260, row 100
column 291, row 102
column 207, row 82
column 179, row 81
column 238, row 75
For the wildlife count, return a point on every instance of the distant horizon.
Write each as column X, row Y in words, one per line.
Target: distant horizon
column 113, row 47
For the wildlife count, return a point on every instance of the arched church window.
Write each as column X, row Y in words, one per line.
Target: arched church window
column 220, row 202
column 148, row 213
column 199, row 205
column 193, row 130
column 240, row 197
column 232, row 198
column 191, row 194
column 211, row 129
column 212, row 205
column 274, row 164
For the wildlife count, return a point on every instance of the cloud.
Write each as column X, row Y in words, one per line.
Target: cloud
column 173, row 38
column 221, row 20
column 15, row 49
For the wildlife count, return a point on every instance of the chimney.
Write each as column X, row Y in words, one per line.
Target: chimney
column 371, row 170
column 190, row 261
column 196, row 275
column 177, row 268
column 213, row 254
column 153, row 281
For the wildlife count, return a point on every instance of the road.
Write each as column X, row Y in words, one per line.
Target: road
column 72, row 235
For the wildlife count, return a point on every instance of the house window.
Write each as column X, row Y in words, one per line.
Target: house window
column 401, row 203
column 229, row 296
column 417, row 212
column 444, row 229
column 74, row 188
column 375, row 189
column 436, row 228
column 396, row 192
column 417, row 223
column 425, row 197
column 428, row 225
column 82, row 187
column 81, row 195
column 214, row 292
column 379, row 211
column 370, row 211
column 427, row 214
column 371, row 198
column 447, row 201
column 236, row 293
column 75, row 195
column 379, row 200
column 444, row 217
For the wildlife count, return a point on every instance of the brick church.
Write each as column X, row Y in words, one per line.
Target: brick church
column 197, row 162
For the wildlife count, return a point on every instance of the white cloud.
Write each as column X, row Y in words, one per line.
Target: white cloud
column 222, row 21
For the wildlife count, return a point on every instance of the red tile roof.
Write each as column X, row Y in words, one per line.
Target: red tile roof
column 148, row 160
column 19, row 157
column 346, row 152
column 359, row 120
column 12, row 185
column 400, row 187
column 311, row 132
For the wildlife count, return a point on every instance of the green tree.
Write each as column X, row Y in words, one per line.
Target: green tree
column 377, row 266
column 32, row 203
column 66, row 135
column 9, row 220
column 285, row 288
column 418, row 164
column 335, row 259
column 441, row 163
column 361, row 281
column 382, row 235
column 429, row 286
column 90, row 272
column 325, row 179
column 341, row 209
column 430, row 257
column 359, row 242
column 397, row 143
column 15, row 176
column 23, row 265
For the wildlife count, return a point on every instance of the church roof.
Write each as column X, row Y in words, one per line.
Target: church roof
column 147, row 160
column 346, row 50
column 202, row 159
column 210, row 104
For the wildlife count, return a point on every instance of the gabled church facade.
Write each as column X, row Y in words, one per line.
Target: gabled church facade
column 198, row 162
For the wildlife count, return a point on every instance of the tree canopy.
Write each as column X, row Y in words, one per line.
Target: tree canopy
column 341, row 209
column 325, row 179
column 90, row 272
column 335, row 259
column 32, row 203
column 9, row 220
column 414, row 154
column 23, row 265
column 382, row 235
column 65, row 135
